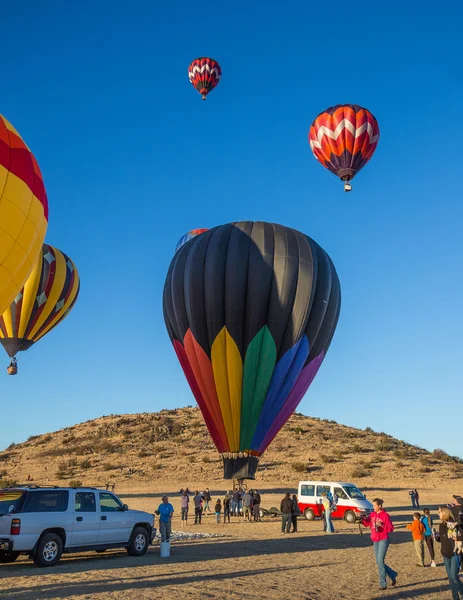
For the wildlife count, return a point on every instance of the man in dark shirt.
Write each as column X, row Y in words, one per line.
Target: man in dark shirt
column 286, row 508
column 256, row 507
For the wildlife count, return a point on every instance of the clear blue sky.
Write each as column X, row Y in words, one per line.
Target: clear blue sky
column 132, row 158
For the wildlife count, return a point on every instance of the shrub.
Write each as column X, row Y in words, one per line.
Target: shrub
column 298, row 430
column 206, row 459
column 326, row 459
column 424, row 469
column 369, row 430
column 164, row 455
column 68, row 439
column 359, row 472
column 31, row 438
column 6, row 483
column 62, row 471
column 75, row 483
column 5, row 456
column 157, row 467
column 11, row 446
column 299, row 467
column 73, row 462
column 366, row 464
column 383, row 445
column 192, row 458
column 107, row 467
column 440, row 454
column 46, row 438
column 85, row 464
column 144, row 453
column 356, row 448
column 399, row 453
column 399, row 464
column 4, row 473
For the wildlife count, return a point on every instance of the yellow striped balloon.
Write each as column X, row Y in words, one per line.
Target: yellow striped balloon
column 46, row 298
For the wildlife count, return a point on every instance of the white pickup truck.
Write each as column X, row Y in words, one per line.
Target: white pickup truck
column 44, row 522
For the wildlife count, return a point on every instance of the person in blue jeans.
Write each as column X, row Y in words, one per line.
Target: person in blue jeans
column 451, row 560
column 381, row 526
column 165, row 512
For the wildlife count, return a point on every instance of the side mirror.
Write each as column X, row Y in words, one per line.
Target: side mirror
column 125, row 507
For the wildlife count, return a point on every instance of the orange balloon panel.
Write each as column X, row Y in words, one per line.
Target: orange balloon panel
column 23, row 213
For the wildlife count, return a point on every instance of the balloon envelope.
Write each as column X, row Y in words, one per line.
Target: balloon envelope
column 46, row 299
column 23, row 212
column 250, row 309
column 204, row 74
column 188, row 236
column 343, row 138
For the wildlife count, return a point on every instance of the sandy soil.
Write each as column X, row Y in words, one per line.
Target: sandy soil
column 251, row 560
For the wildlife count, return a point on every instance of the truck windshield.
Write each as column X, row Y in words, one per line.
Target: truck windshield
column 353, row 492
column 10, row 501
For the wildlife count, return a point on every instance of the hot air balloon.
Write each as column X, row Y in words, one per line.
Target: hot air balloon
column 188, row 236
column 45, row 300
column 204, row 74
column 23, row 212
column 343, row 138
column 250, row 309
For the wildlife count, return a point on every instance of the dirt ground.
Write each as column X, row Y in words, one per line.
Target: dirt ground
column 250, row 561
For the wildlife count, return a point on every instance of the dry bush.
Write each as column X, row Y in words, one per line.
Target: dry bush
column 144, row 453
column 357, row 448
column 191, row 458
column 6, row 483
column 299, row 467
column 359, row 472
column 327, row 459
column 206, row 459
column 75, row 483
column 85, row 464
column 108, row 467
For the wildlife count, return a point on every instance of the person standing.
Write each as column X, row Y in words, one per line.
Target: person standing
column 418, row 530
column 285, row 509
column 218, row 510
column 256, row 507
column 236, row 498
column 327, row 513
column 247, row 503
column 381, row 526
column 184, row 501
column 165, row 511
column 451, row 560
column 226, row 508
column 198, row 502
column 417, row 498
column 411, row 493
column 207, row 498
column 426, row 519
column 295, row 512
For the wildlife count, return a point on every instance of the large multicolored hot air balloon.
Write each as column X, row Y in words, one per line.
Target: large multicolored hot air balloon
column 251, row 309
column 343, row 138
column 188, row 236
column 204, row 74
column 23, row 212
column 47, row 297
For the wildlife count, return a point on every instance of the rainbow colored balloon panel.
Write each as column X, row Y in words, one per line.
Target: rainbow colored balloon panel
column 251, row 309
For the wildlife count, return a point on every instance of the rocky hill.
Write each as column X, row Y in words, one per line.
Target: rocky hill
column 175, row 445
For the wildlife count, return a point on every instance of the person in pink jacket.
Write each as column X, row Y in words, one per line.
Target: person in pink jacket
column 381, row 526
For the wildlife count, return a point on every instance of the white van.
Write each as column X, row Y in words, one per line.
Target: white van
column 351, row 501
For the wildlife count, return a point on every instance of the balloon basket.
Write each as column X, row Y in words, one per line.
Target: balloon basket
column 347, row 187
column 165, row 549
column 12, row 370
column 240, row 468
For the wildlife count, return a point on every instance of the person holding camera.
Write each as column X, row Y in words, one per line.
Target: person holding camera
column 448, row 550
column 381, row 526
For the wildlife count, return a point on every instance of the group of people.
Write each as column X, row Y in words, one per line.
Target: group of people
column 449, row 536
column 415, row 498
column 290, row 510
column 237, row 502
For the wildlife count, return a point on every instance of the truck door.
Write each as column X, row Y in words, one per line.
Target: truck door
column 86, row 520
column 114, row 520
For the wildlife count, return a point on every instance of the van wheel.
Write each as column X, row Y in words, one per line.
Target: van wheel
column 309, row 514
column 49, row 550
column 349, row 516
column 139, row 541
column 8, row 557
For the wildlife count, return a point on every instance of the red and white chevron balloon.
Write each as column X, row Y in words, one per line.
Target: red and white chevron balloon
column 343, row 138
column 204, row 74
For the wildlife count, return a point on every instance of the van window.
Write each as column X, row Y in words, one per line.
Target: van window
column 85, row 502
column 109, row 503
column 323, row 488
column 341, row 493
column 307, row 490
column 46, row 501
column 10, row 501
column 354, row 492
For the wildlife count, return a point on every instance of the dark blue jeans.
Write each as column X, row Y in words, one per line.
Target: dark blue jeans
column 452, row 566
column 380, row 555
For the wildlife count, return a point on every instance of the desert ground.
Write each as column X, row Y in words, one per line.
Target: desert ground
column 249, row 561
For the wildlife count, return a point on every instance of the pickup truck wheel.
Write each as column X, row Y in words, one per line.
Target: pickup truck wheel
column 8, row 557
column 309, row 514
column 49, row 550
column 139, row 541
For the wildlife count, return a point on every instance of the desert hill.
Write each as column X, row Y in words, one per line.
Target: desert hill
column 175, row 445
